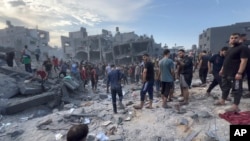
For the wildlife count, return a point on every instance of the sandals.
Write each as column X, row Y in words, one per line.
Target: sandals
column 218, row 103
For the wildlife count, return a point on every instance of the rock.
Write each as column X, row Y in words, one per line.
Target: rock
column 103, row 96
column 68, row 106
column 204, row 114
column 183, row 121
column 196, row 83
column 44, row 123
column 15, row 106
column 8, row 85
column 90, row 138
column 16, row 133
column 71, row 84
column 180, row 99
column 115, row 138
column 30, row 88
column 130, row 103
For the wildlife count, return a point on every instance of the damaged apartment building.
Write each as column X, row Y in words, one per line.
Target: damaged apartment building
column 16, row 37
column 120, row 48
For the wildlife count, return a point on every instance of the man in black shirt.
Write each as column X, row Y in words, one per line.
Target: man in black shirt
column 186, row 74
column 203, row 67
column 148, row 82
column 243, row 40
column 217, row 61
column 233, row 67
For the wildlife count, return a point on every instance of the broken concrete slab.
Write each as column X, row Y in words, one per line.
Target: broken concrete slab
column 18, row 105
column 30, row 88
column 8, row 86
column 71, row 84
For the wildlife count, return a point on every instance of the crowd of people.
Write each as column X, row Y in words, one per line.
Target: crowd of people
column 229, row 67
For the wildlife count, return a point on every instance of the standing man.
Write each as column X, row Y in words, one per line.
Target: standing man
column 37, row 53
column 233, row 67
column 166, row 75
column 243, row 39
column 186, row 74
column 148, row 82
column 203, row 67
column 137, row 73
column 107, row 70
column 217, row 61
column 10, row 58
column 114, row 80
column 55, row 63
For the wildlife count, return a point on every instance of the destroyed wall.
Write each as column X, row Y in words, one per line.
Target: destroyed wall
column 17, row 37
column 67, row 47
column 123, row 47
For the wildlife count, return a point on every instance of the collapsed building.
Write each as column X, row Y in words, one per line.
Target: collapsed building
column 120, row 48
column 16, row 37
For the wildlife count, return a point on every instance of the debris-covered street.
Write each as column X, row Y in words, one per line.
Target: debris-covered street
column 31, row 115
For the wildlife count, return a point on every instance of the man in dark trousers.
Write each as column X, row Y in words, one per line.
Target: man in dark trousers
column 216, row 61
column 243, row 40
column 233, row 67
column 114, row 81
column 203, row 68
column 148, row 82
column 185, row 73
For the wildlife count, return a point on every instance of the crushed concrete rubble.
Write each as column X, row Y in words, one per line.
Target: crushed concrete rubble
column 28, row 113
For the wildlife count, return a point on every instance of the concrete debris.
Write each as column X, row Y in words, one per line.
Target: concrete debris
column 8, row 86
column 16, row 106
column 192, row 135
column 44, row 123
column 65, row 103
column 183, row 121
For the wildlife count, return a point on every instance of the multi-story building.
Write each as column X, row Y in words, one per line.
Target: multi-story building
column 17, row 37
column 83, row 47
column 122, row 48
column 214, row 38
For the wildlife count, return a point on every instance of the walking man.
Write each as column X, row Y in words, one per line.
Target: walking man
column 233, row 67
column 114, row 80
column 217, row 61
column 148, row 82
column 37, row 53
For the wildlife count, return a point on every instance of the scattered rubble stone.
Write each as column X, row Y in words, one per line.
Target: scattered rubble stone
column 204, row 114
column 8, row 86
column 183, row 121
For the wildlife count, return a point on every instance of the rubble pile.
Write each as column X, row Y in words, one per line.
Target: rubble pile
column 28, row 113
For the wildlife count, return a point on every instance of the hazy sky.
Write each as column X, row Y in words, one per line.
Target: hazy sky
column 169, row 21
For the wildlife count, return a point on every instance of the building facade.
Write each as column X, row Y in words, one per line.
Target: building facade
column 17, row 37
column 120, row 48
column 214, row 38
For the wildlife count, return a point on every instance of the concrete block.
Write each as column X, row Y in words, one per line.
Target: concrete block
column 15, row 106
column 29, row 89
column 115, row 138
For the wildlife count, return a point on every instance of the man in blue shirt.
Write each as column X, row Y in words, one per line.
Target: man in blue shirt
column 166, row 76
column 114, row 81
